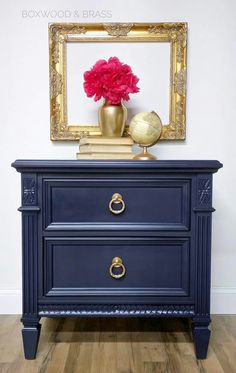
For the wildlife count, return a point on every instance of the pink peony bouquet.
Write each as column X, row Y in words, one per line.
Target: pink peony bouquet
column 112, row 80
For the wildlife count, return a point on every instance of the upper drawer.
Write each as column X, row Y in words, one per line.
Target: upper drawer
column 85, row 204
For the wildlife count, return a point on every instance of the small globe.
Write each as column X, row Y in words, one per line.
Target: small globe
column 145, row 128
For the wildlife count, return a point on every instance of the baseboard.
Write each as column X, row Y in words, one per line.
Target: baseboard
column 10, row 302
column 223, row 301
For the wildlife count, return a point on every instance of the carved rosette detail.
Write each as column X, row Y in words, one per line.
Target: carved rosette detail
column 204, row 191
column 118, row 29
column 29, row 191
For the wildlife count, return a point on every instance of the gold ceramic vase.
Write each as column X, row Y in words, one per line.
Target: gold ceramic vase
column 112, row 118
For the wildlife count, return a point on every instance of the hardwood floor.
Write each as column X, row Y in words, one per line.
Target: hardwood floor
column 85, row 345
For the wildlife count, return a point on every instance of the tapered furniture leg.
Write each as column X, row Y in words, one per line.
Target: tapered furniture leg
column 30, row 334
column 201, row 336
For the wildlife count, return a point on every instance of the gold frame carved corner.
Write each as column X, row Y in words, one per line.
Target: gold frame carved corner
column 62, row 33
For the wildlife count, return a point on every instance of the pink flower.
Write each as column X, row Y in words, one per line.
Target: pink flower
column 110, row 79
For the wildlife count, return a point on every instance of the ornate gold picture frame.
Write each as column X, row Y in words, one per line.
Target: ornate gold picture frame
column 62, row 33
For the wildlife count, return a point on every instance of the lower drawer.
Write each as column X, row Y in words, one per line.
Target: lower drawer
column 116, row 267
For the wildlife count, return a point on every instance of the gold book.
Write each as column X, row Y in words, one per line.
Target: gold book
column 105, row 155
column 101, row 148
column 100, row 140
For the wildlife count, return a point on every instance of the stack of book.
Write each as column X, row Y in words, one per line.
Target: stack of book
column 105, row 148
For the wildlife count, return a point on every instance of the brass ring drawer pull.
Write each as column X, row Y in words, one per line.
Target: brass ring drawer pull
column 116, row 199
column 117, row 263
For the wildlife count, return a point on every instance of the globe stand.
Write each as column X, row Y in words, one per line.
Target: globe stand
column 144, row 155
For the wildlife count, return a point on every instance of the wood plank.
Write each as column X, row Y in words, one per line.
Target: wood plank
column 97, row 345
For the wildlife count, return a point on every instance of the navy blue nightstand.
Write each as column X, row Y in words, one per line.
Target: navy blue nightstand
column 116, row 238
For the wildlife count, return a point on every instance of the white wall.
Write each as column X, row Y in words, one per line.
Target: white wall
column 211, row 117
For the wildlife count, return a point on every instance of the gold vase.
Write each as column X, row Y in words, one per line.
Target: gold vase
column 112, row 118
